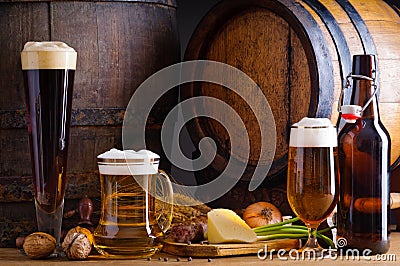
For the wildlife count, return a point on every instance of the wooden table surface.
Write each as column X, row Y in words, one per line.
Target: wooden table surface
column 11, row 256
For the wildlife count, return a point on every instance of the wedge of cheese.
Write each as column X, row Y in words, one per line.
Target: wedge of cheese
column 225, row 226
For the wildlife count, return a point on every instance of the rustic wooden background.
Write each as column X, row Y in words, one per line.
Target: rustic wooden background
column 119, row 45
column 299, row 53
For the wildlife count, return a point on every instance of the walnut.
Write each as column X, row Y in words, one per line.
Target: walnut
column 78, row 243
column 39, row 245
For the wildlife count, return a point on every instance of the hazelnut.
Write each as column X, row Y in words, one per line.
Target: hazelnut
column 77, row 243
column 19, row 242
column 39, row 245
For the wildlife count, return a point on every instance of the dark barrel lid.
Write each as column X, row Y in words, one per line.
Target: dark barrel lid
column 364, row 65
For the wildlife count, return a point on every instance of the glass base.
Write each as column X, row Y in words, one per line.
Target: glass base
column 317, row 253
column 126, row 248
column 312, row 249
column 127, row 253
column 50, row 222
column 313, row 252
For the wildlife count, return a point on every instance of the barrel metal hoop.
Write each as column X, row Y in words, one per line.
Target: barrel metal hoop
column 167, row 3
column 363, row 32
column 80, row 117
column 337, row 35
column 395, row 4
column 323, row 65
column 360, row 26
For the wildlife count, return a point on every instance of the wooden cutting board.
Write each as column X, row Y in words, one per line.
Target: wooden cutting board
column 221, row 250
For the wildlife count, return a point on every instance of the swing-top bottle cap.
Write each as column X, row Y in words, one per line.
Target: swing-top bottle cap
column 350, row 113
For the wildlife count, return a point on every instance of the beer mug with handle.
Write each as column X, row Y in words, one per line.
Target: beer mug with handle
column 136, row 204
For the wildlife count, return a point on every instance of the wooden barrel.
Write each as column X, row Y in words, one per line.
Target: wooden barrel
column 119, row 45
column 299, row 52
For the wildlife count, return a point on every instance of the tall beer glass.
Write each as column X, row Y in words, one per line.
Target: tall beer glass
column 312, row 185
column 48, row 69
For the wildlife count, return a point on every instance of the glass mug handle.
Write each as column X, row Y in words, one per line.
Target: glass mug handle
column 164, row 219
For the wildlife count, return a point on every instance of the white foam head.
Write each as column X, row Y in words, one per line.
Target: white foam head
column 48, row 55
column 313, row 132
column 128, row 162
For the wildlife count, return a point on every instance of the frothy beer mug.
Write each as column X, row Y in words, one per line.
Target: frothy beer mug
column 48, row 69
column 136, row 204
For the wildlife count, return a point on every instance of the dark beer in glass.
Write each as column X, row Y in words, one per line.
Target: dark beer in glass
column 48, row 69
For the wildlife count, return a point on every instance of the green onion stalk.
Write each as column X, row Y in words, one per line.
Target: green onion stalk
column 285, row 230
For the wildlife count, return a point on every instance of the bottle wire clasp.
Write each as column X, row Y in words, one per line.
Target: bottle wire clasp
column 352, row 112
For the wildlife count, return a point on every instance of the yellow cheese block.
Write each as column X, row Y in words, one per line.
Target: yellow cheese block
column 225, row 226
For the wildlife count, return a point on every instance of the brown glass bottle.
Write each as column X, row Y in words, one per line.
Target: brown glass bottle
column 364, row 160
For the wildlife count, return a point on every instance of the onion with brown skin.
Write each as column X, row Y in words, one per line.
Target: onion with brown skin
column 261, row 213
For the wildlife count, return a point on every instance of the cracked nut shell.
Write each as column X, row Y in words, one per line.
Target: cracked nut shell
column 77, row 243
column 39, row 245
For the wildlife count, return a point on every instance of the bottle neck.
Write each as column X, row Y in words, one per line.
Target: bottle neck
column 362, row 92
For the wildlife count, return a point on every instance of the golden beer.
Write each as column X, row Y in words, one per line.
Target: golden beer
column 136, row 204
column 312, row 183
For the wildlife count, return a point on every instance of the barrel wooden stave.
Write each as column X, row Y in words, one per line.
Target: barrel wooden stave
column 244, row 45
column 36, row 20
column 242, row 54
column 123, row 55
column 14, row 162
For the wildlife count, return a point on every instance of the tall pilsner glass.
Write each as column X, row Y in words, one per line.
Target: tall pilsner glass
column 312, row 185
column 48, row 69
